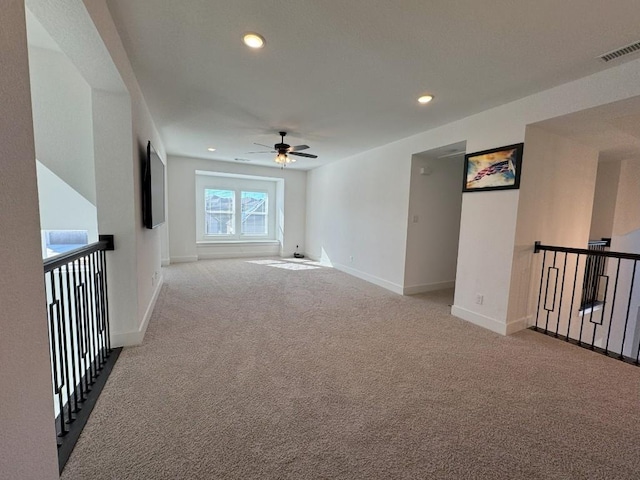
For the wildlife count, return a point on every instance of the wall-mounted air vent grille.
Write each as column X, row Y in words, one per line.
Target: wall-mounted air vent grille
column 631, row 48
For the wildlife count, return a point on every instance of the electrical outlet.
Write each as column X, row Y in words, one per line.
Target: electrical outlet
column 351, row 258
column 415, row 219
column 479, row 298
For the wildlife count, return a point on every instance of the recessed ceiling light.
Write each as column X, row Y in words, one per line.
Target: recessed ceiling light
column 211, row 149
column 253, row 40
column 425, row 99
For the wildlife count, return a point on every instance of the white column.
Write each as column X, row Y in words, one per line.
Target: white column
column 28, row 442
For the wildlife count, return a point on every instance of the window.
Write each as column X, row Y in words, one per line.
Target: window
column 219, row 211
column 56, row 242
column 254, row 213
column 235, row 208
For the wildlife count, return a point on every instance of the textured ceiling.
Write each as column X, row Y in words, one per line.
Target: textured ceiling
column 343, row 76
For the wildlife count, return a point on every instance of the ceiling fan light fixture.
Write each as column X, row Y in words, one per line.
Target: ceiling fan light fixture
column 282, row 159
column 253, row 40
column 425, row 99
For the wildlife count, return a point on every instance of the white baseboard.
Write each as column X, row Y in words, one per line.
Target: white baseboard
column 165, row 262
column 395, row 288
column 185, row 259
column 480, row 320
column 516, row 325
column 130, row 339
column 428, row 287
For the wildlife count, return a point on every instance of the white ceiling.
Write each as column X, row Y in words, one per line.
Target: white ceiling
column 343, row 76
column 613, row 129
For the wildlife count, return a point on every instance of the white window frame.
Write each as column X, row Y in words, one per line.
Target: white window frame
column 232, row 212
column 266, row 213
column 238, row 185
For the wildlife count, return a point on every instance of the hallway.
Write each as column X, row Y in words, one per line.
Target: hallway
column 251, row 371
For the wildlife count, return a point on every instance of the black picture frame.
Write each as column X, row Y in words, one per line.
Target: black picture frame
column 494, row 169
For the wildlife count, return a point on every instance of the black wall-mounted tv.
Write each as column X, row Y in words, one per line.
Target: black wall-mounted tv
column 152, row 189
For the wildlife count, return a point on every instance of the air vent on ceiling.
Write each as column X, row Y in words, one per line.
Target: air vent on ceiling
column 242, row 160
column 620, row 52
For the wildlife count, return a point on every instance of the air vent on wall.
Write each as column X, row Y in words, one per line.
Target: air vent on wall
column 242, row 160
column 620, row 52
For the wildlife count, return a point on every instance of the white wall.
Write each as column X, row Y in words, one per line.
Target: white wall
column 28, row 441
column 146, row 244
column 626, row 238
column 122, row 125
column 556, row 199
column 182, row 211
column 357, row 215
column 344, row 206
column 435, row 203
column 627, row 212
column 604, row 200
column 62, row 119
column 62, row 207
column 622, row 224
column 116, row 192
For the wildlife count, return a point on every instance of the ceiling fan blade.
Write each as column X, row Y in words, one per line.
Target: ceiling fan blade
column 297, row 148
column 263, row 145
column 308, row 155
column 265, row 151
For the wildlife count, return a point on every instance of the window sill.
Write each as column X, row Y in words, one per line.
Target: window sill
column 237, row 242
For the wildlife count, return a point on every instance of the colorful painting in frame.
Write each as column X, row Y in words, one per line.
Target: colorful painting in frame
column 496, row 169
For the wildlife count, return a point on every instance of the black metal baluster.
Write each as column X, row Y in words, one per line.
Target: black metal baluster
column 73, row 340
column 54, row 357
column 58, row 360
column 99, row 308
column 64, row 327
column 105, row 298
column 613, row 306
column 84, row 386
column 604, row 306
column 544, row 259
column 96, row 301
column 587, row 268
column 585, row 282
column 100, row 300
column 103, row 315
column 85, row 325
column 86, row 319
column 593, row 288
column 626, row 322
column 573, row 296
column 546, row 293
column 564, row 271
column 92, row 317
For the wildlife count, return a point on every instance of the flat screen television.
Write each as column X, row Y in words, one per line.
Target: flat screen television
column 153, row 189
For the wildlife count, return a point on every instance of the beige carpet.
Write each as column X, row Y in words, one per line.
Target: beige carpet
column 249, row 371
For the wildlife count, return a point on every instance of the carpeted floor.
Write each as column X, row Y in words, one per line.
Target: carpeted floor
column 249, row 371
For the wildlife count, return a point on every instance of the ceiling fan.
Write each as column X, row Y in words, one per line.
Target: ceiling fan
column 284, row 150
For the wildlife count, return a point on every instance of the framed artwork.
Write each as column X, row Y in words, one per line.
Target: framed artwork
column 496, row 169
